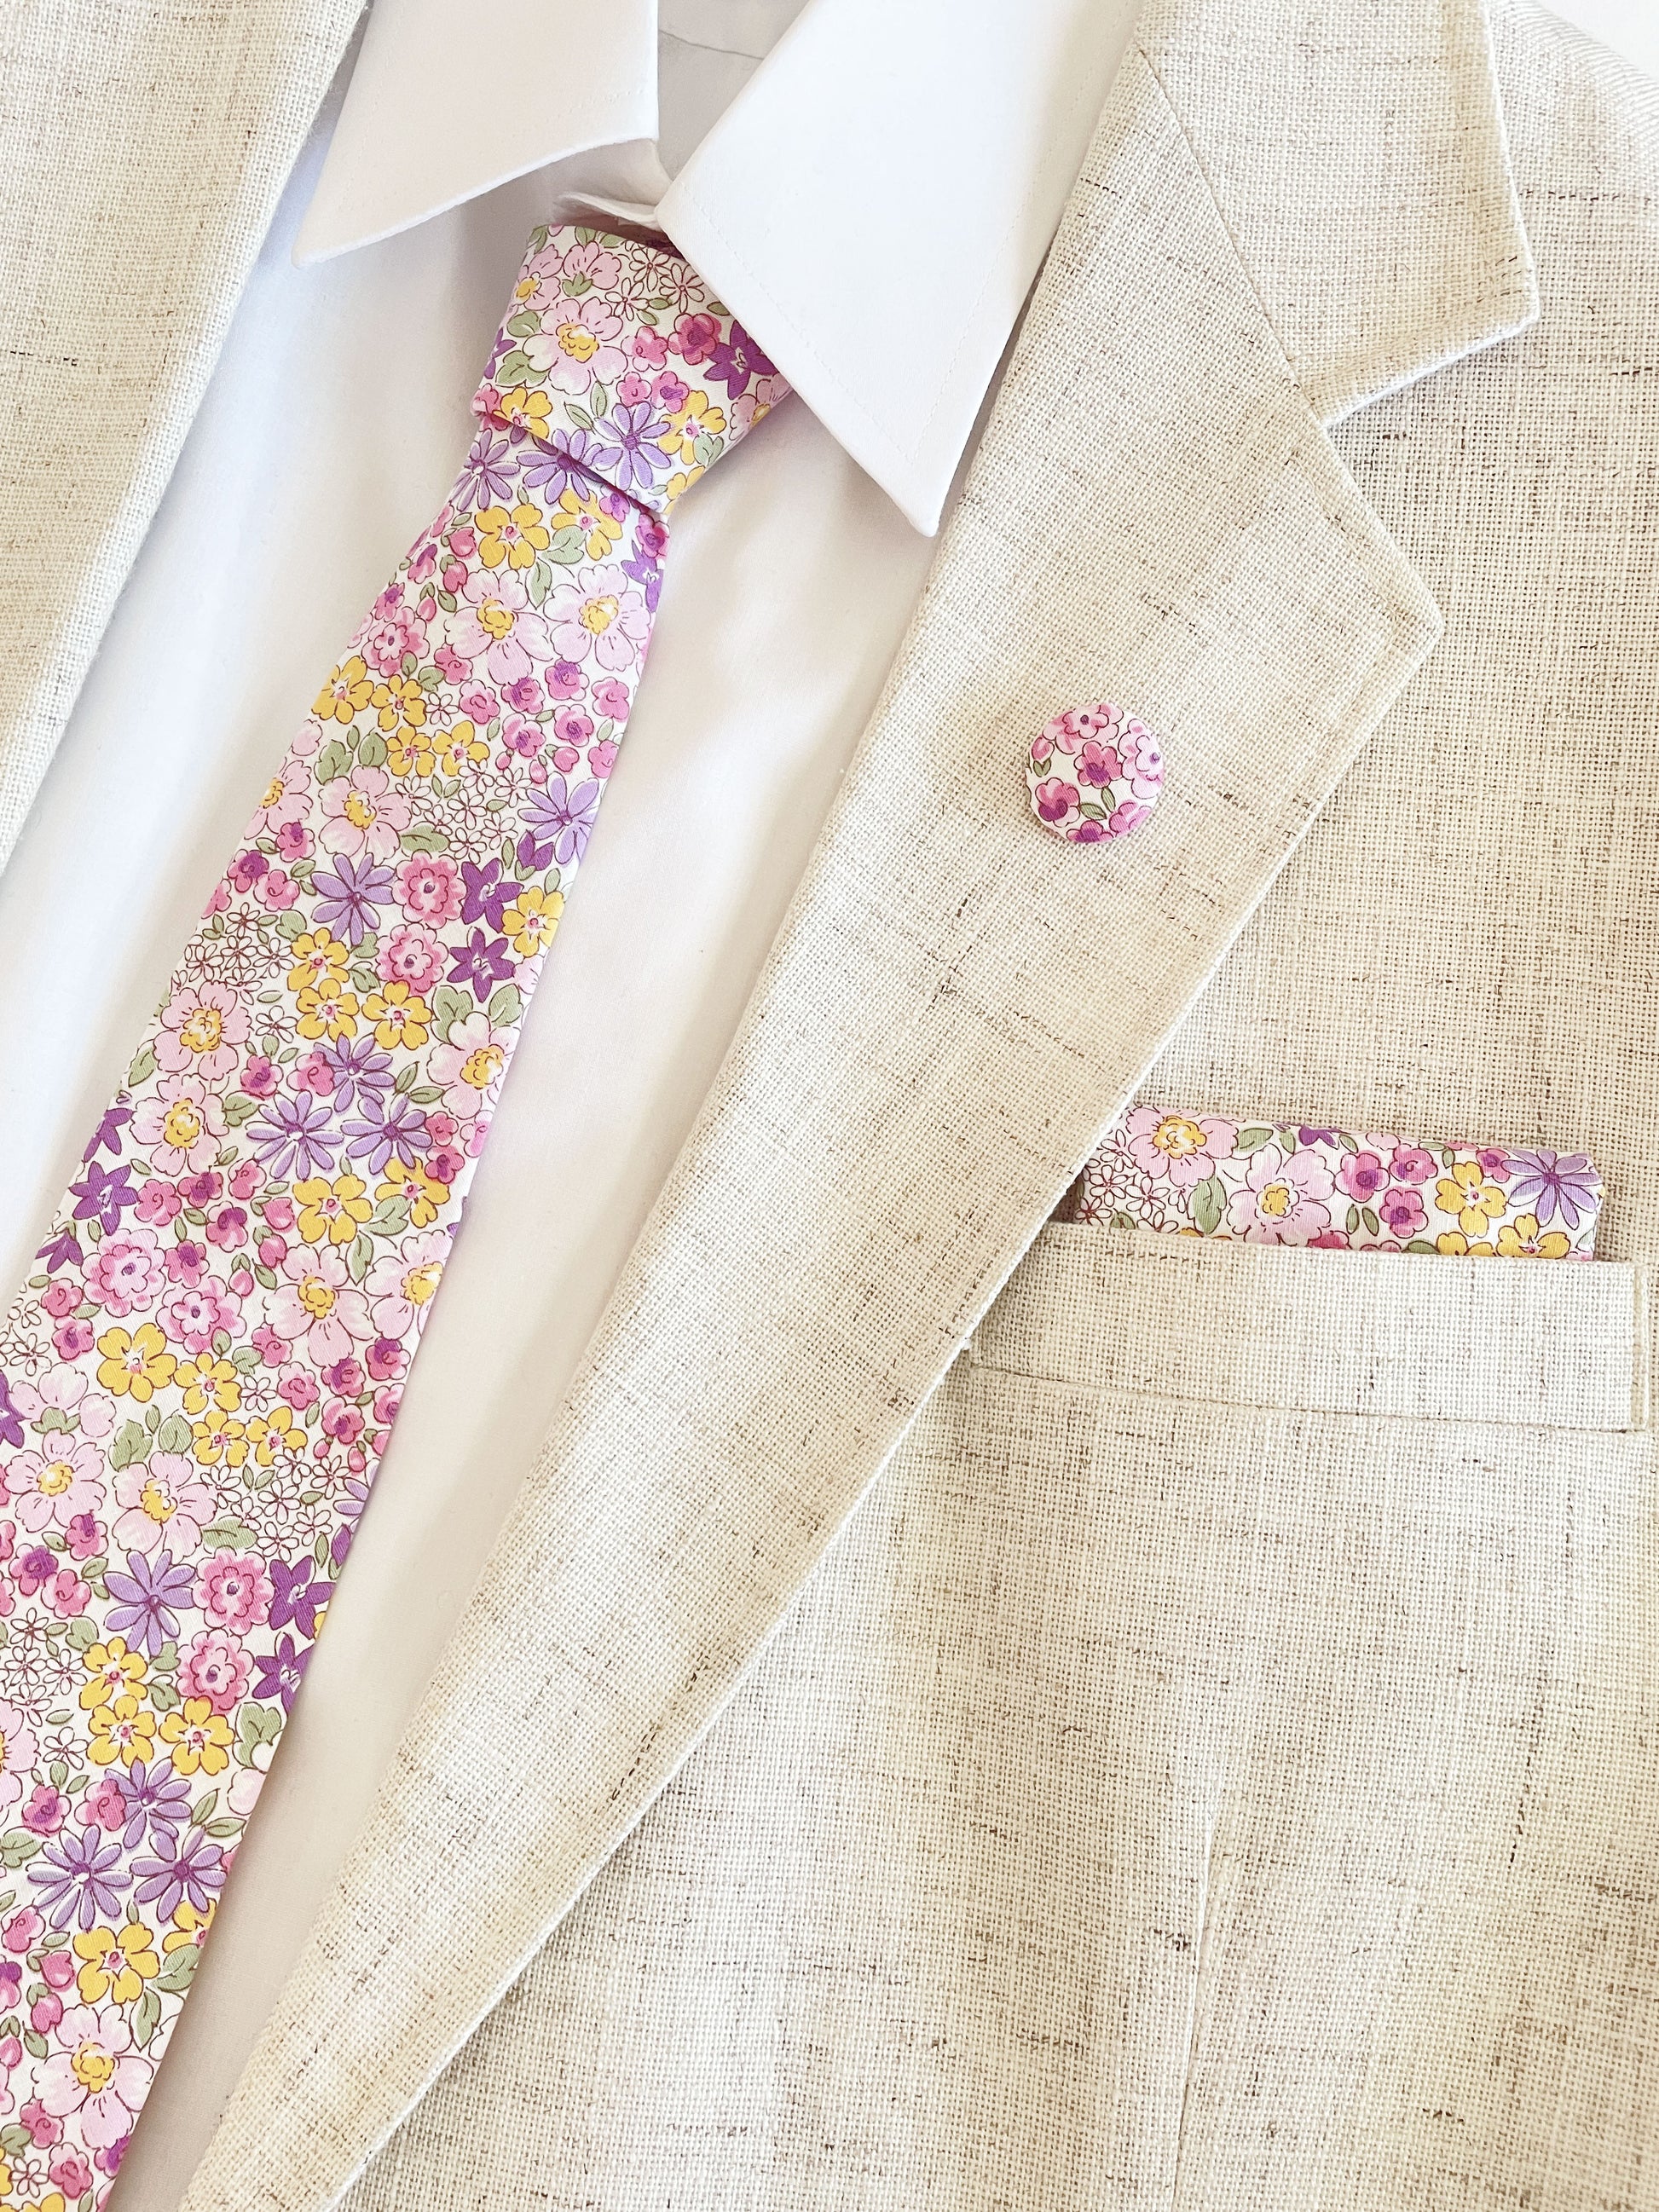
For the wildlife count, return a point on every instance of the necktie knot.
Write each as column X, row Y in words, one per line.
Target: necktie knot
column 616, row 359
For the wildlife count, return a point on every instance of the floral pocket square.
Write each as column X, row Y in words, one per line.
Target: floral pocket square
column 1271, row 1182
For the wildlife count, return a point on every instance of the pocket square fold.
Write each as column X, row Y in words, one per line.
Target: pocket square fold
column 1271, row 1182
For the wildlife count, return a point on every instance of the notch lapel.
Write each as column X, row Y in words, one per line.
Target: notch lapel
column 956, row 1007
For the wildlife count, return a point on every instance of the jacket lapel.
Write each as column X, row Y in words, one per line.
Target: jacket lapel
column 956, row 1007
column 142, row 152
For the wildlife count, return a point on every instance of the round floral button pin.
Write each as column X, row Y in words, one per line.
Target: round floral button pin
column 1094, row 772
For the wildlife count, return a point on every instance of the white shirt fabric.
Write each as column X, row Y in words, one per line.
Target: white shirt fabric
column 842, row 195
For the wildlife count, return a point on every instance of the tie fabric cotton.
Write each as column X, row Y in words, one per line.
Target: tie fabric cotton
column 197, row 1387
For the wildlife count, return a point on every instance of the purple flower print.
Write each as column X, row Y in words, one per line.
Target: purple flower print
column 185, row 1868
column 104, row 1194
column 1549, row 1184
column 349, row 897
column 487, row 892
column 293, row 1137
column 568, row 462
column 296, row 1597
column 482, row 963
column 631, row 454
column 149, row 1599
column 390, row 1128
column 62, row 1250
column 11, row 1421
column 79, row 1877
column 491, row 473
column 154, row 1797
column 560, row 821
column 281, row 1672
column 106, row 1138
column 359, row 1068
column 736, row 360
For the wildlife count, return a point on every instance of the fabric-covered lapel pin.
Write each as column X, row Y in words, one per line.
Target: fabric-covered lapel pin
column 1094, row 772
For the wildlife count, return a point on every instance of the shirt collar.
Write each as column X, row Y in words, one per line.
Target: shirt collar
column 844, row 206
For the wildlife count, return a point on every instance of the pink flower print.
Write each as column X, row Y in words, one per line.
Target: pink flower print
column 276, row 890
column 1143, row 760
column 404, row 1283
column 412, row 956
column 126, row 1271
column 1400, row 1212
column 1411, row 1163
column 215, row 1667
column 393, row 633
column 363, row 813
column 316, row 1306
column 577, row 346
column 496, row 624
column 649, row 347
column 470, row 1065
column 226, row 1228
column 598, row 610
column 67, row 1595
column 63, row 1390
column 613, row 699
column 694, row 338
column 286, row 798
column 181, row 1124
column 1283, row 1197
column 1494, row 1162
column 202, row 1025
column 199, row 1313
column 166, row 1504
column 587, row 264
column 294, row 842
column 430, row 886
column 72, row 1338
column 1362, row 1174
column 235, row 1591
column 1177, row 1148
column 44, row 1814
column 51, row 1487
column 94, row 2077
column 17, row 1755
column 1055, row 800
column 1096, row 764
column 159, row 1202
column 603, row 758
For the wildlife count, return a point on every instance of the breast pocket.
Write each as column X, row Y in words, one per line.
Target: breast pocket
column 1354, row 1555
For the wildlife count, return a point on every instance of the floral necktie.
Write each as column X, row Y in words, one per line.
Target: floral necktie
column 196, row 1387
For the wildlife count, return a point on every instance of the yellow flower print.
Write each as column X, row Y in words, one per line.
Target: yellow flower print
column 197, row 1737
column 112, row 1671
column 695, row 418
column 218, row 1436
column 121, row 1729
column 1177, row 1137
column 412, row 752
column 424, row 1192
column 1456, row 1246
column 135, row 1362
column 189, row 1926
column 600, row 532
column 209, row 1377
column 402, row 703
column 332, row 1014
column 1467, row 1193
column 1523, row 1239
column 516, row 538
column 319, row 962
column 349, row 690
column 278, row 1431
column 114, row 1966
column 530, row 921
column 531, row 409
column 332, row 1209
column 455, row 747
column 401, row 1016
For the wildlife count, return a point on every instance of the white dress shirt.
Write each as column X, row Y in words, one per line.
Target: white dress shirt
column 872, row 188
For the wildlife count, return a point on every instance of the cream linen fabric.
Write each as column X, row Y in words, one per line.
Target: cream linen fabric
column 1178, row 1788
column 143, row 150
column 1215, row 1767
column 954, row 1008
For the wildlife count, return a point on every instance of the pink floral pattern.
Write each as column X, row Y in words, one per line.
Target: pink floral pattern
column 1093, row 772
column 198, row 1385
column 1267, row 1183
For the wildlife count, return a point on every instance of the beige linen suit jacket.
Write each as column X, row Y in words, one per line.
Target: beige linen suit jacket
column 976, row 1713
